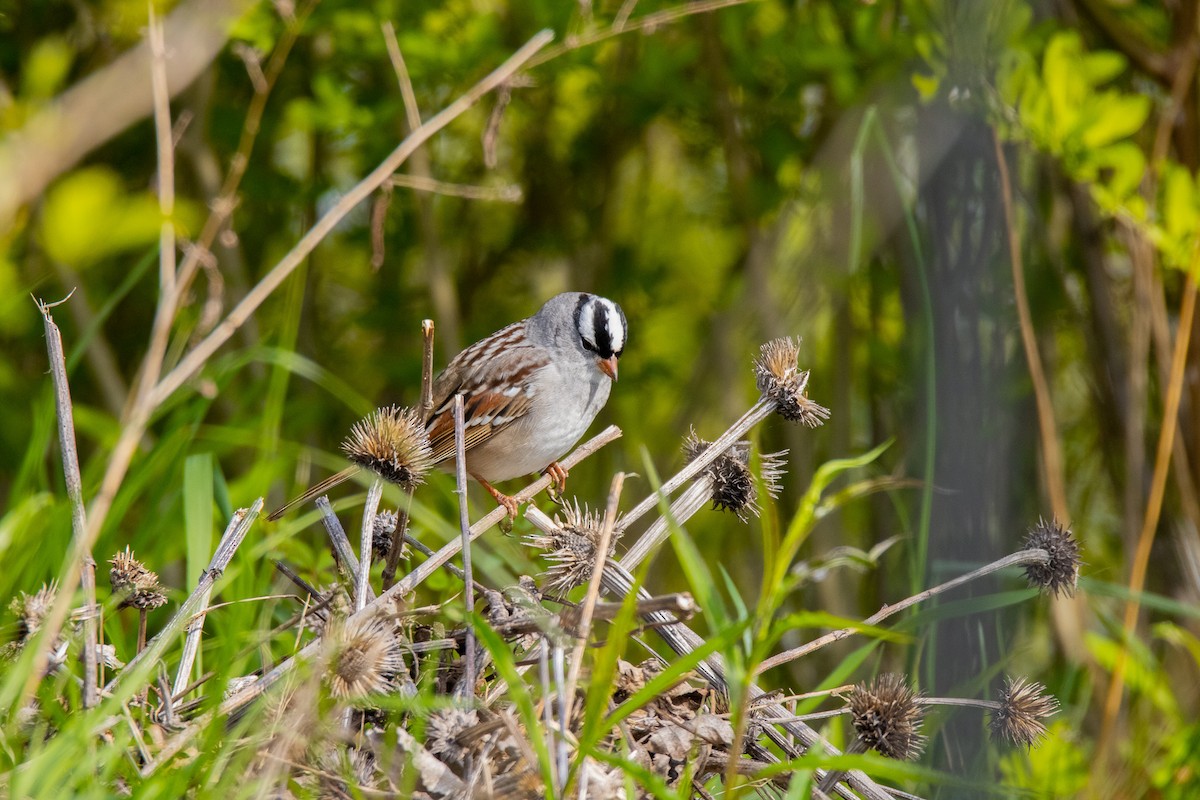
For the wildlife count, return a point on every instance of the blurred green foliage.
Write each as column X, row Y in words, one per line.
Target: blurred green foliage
column 697, row 169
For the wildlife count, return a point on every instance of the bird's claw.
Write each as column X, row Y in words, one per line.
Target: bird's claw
column 558, row 481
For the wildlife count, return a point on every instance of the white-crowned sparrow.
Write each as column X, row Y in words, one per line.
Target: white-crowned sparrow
column 530, row 391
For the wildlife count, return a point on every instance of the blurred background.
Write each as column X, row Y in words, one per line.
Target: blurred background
column 728, row 172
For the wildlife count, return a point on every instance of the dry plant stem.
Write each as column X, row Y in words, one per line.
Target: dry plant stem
column 235, row 534
column 1020, row 558
column 361, row 191
column 424, row 550
column 562, row 753
column 464, row 523
column 411, row 111
column 427, row 330
column 1047, row 429
column 417, row 576
column 166, row 160
column 347, row 562
column 593, row 593
column 1158, row 485
column 757, row 413
column 694, row 498
column 510, row 193
column 547, row 712
column 191, row 643
column 647, row 22
column 141, row 636
column 362, row 584
column 82, row 552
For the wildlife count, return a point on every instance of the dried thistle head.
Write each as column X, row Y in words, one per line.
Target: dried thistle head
column 137, row 586
column 381, row 540
column 887, row 716
column 340, row 769
column 780, row 379
column 732, row 481
column 442, row 733
column 1023, row 706
column 126, row 572
column 572, row 547
column 31, row 610
column 391, row 442
column 1061, row 573
column 363, row 656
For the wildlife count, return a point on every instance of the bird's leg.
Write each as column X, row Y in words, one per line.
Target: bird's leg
column 510, row 503
column 558, row 477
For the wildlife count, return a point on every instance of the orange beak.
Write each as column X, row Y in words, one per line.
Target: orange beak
column 609, row 367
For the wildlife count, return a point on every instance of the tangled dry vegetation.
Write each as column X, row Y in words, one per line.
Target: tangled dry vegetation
column 515, row 691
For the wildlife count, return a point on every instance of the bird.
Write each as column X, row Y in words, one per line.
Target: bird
column 530, row 391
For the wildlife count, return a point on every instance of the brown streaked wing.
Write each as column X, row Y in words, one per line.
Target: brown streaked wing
column 486, row 415
column 503, row 359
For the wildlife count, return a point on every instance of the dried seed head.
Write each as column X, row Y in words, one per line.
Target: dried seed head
column 1061, row 573
column 31, row 610
column 442, row 734
column 887, row 716
column 572, row 548
column 391, row 442
column 137, row 586
column 781, row 380
column 733, row 483
column 341, row 769
column 126, row 572
column 364, row 655
column 1023, row 706
column 381, row 541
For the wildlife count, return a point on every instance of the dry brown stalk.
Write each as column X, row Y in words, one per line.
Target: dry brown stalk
column 1158, row 485
column 362, row 591
column 1020, row 558
column 82, row 548
column 593, row 593
column 343, row 553
column 235, row 534
column 464, row 523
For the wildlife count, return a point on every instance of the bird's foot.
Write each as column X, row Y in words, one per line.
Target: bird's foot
column 509, row 502
column 558, row 481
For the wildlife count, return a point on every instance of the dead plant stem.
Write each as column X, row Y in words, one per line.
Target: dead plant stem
column 362, row 585
column 1020, row 558
column 1158, row 485
column 81, row 548
column 464, row 523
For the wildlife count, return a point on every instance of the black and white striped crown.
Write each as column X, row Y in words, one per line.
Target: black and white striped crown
column 601, row 325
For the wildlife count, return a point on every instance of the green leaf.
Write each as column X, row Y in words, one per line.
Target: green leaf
column 1102, row 66
column 88, row 216
column 198, row 513
column 1117, row 116
column 926, row 85
column 46, row 68
column 1065, row 85
column 1178, row 201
